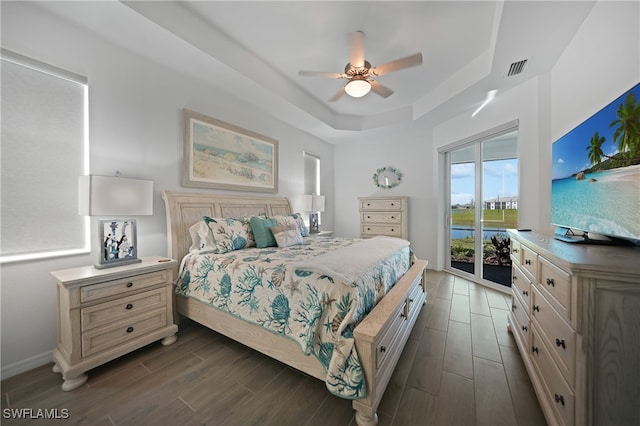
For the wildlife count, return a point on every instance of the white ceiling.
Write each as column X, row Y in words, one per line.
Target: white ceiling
column 255, row 50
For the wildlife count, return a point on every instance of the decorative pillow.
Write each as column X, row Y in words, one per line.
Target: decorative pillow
column 284, row 220
column 286, row 235
column 228, row 233
column 261, row 232
column 201, row 238
column 302, row 228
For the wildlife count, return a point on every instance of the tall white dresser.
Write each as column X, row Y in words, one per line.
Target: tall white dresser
column 384, row 216
column 575, row 317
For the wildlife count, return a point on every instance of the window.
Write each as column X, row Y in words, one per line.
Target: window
column 312, row 176
column 44, row 150
column 483, row 198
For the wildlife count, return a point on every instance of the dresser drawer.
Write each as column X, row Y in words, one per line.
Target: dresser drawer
column 559, row 394
column 381, row 217
column 109, row 312
column 521, row 285
column 557, row 284
column 373, row 230
column 516, row 252
column 118, row 287
column 530, row 262
column 114, row 335
column 387, row 204
column 522, row 319
column 560, row 336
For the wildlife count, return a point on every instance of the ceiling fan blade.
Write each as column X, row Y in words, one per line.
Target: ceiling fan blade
column 356, row 49
column 379, row 89
column 338, row 95
column 398, row 64
column 321, row 74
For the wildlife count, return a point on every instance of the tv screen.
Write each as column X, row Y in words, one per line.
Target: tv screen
column 595, row 185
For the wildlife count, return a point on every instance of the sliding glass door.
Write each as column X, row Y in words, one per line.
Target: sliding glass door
column 483, row 200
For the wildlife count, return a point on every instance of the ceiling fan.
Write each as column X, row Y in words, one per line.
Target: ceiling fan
column 359, row 72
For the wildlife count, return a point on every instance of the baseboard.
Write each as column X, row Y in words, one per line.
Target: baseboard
column 25, row 365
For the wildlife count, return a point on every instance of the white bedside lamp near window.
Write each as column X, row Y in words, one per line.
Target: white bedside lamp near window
column 119, row 198
column 314, row 204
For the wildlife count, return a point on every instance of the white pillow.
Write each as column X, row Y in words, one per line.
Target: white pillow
column 286, row 235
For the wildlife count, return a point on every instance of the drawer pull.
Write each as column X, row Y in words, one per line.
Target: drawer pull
column 534, row 349
column 515, row 278
column 560, row 342
column 392, row 204
column 524, row 328
column 559, row 398
column 525, row 293
column 515, row 250
column 368, row 229
column 392, row 229
column 129, row 285
column 129, row 329
column 536, row 308
column 129, row 306
column 368, row 204
column 383, row 349
column 527, row 262
column 368, row 217
column 393, row 217
column 551, row 282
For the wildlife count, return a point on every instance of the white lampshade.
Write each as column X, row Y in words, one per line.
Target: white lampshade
column 114, row 196
column 314, row 203
column 357, row 87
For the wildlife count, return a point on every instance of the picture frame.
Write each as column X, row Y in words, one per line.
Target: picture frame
column 118, row 243
column 224, row 156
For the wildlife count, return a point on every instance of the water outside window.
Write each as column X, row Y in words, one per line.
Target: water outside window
column 484, row 204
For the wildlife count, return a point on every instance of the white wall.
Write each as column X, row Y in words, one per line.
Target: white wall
column 136, row 128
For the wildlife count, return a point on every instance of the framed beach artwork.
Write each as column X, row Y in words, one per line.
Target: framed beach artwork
column 221, row 155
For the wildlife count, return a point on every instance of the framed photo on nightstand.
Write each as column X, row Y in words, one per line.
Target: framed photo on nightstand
column 118, row 243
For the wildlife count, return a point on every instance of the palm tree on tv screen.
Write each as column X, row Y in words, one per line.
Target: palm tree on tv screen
column 595, row 149
column 628, row 132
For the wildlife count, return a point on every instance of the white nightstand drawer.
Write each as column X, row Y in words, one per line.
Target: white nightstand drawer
column 106, row 313
column 118, row 287
column 103, row 338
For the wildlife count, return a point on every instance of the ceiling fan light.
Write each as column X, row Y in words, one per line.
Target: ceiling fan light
column 357, row 88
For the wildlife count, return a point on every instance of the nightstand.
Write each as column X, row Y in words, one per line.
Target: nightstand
column 106, row 313
column 322, row 234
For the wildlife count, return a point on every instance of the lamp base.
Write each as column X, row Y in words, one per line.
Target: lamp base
column 313, row 223
column 118, row 263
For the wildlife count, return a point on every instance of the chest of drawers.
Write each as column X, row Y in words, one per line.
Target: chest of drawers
column 106, row 313
column 576, row 320
column 384, row 216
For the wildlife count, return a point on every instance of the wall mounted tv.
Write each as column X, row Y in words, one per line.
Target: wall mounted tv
column 595, row 189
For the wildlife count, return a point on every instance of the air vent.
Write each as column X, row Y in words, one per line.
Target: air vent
column 517, row 67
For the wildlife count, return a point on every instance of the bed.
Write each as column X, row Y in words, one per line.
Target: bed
column 377, row 339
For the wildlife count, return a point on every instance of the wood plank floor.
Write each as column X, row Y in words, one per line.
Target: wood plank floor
column 460, row 367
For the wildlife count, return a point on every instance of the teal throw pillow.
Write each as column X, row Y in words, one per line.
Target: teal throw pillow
column 261, row 232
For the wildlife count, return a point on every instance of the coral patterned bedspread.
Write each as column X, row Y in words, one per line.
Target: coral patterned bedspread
column 316, row 310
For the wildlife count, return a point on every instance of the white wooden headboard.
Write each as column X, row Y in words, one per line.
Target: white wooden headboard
column 183, row 209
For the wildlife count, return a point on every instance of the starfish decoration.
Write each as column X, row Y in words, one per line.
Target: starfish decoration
column 293, row 286
column 327, row 301
column 235, row 267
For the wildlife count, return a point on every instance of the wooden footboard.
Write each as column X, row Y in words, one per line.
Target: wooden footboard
column 382, row 335
column 380, row 338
